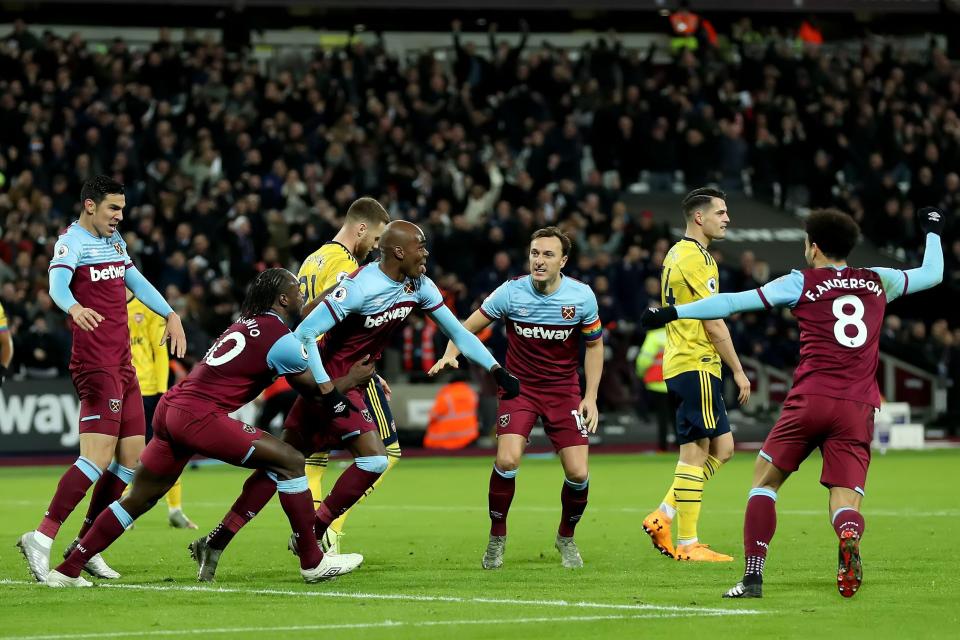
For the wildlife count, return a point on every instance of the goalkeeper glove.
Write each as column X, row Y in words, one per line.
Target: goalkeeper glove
column 508, row 383
column 931, row 220
column 656, row 318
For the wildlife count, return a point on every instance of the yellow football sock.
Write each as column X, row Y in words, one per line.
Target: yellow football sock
column 688, row 493
column 316, row 466
column 393, row 457
column 670, row 501
column 175, row 496
column 710, row 467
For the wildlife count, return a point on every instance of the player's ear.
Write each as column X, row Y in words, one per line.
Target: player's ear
column 361, row 229
column 563, row 261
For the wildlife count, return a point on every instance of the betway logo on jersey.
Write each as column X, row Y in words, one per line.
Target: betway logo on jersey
column 542, row 333
column 107, row 273
column 397, row 313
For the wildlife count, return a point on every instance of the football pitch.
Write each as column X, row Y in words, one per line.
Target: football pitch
column 423, row 533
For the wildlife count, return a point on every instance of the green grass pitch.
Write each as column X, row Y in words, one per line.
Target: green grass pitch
column 423, row 533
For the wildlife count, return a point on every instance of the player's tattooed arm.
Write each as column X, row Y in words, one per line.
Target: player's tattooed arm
column 474, row 324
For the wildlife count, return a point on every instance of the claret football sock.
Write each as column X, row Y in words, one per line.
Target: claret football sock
column 759, row 525
column 70, row 491
column 109, row 489
column 503, row 484
column 573, row 500
column 257, row 491
column 350, row 487
column 848, row 519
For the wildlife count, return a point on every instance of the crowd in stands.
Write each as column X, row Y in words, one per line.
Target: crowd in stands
column 232, row 167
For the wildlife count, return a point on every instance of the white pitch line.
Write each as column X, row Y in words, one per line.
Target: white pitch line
column 418, row 598
column 356, row 625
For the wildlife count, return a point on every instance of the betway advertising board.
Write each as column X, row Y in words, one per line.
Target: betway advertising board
column 39, row 416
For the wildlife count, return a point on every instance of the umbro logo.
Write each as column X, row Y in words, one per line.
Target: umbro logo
column 332, row 571
column 339, row 407
column 934, row 215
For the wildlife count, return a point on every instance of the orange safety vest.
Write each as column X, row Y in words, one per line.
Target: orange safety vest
column 453, row 418
column 655, row 372
column 684, row 23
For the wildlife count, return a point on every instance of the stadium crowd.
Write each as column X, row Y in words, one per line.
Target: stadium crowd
column 232, row 167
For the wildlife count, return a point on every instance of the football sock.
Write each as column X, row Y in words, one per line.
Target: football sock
column 350, row 487
column 109, row 525
column 257, row 491
column 298, row 505
column 73, row 485
column 848, row 519
column 688, row 493
column 759, row 525
column 573, row 501
column 503, row 484
column 669, row 503
column 316, row 466
column 393, row 457
column 107, row 490
column 710, row 467
column 175, row 496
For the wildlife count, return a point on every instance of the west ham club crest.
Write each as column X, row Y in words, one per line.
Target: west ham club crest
column 567, row 313
column 114, row 405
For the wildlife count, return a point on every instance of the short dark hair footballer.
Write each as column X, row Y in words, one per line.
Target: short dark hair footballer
column 263, row 292
column 367, row 210
column 98, row 188
column 554, row 232
column 699, row 197
column 833, row 231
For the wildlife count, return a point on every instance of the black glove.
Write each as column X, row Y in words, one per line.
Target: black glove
column 3, row 374
column 508, row 383
column 931, row 220
column 337, row 404
column 656, row 318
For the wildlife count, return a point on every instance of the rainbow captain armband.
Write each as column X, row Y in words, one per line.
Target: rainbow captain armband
column 592, row 331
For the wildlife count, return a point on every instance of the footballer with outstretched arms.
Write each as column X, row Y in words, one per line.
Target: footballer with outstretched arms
column 831, row 404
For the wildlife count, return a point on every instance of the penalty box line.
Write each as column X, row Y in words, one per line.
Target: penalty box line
column 420, row 598
column 386, row 624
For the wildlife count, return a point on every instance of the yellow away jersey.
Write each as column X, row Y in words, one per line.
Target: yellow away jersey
column 150, row 359
column 3, row 319
column 324, row 268
column 689, row 274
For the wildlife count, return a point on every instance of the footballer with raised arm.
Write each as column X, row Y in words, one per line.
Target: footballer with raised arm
column 831, row 404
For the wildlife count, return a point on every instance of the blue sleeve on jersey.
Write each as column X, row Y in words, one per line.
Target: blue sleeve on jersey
column 146, row 292
column 287, row 355
column 497, row 303
column 66, row 252
column 721, row 305
column 60, row 288
column 469, row 344
column 345, row 299
column 784, row 291
column 591, row 312
column 430, row 296
column 898, row 283
column 320, row 320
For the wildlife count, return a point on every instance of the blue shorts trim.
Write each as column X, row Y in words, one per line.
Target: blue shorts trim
column 701, row 413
